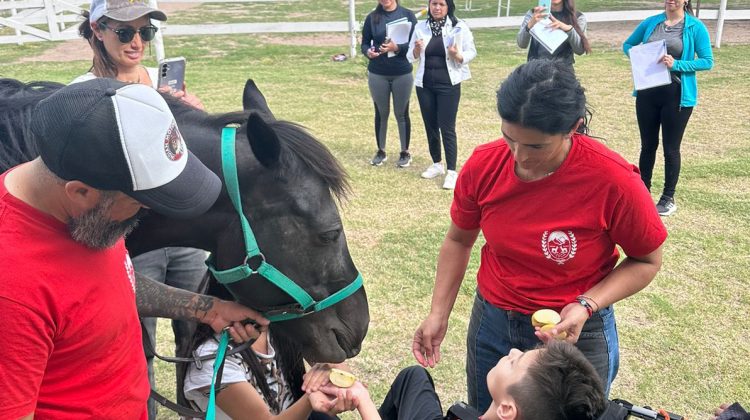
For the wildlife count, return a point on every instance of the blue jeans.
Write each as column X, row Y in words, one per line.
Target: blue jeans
column 494, row 331
column 182, row 268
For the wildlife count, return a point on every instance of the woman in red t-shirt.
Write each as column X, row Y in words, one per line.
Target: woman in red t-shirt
column 553, row 205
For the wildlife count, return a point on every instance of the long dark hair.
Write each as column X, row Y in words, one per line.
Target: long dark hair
column 544, row 95
column 689, row 7
column 102, row 66
column 379, row 12
column 451, row 11
column 570, row 16
column 288, row 358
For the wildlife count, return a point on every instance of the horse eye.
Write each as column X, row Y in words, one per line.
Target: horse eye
column 330, row 236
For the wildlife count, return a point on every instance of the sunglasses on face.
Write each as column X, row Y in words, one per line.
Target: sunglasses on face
column 127, row 33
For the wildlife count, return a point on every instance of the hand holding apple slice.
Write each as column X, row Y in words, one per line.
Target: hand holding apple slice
column 546, row 320
column 341, row 378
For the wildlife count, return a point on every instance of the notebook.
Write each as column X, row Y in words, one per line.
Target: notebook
column 549, row 38
column 645, row 62
column 398, row 31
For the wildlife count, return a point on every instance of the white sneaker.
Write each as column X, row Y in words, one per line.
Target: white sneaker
column 450, row 180
column 433, row 170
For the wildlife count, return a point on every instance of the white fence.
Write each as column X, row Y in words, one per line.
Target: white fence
column 55, row 20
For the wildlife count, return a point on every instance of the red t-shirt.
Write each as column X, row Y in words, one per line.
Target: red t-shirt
column 71, row 341
column 550, row 240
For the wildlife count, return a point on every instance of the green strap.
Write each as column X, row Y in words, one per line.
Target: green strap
column 223, row 343
column 229, row 167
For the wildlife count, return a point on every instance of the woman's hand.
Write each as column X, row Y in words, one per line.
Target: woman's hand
column 342, row 399
column 537, row 14
column 454, row 55
column 186, row 97
column 668, row 60
column 418, row 46
column 427, row 339
column 573, row 315
column 373, row 53
column 389, row 46
column 556, row 24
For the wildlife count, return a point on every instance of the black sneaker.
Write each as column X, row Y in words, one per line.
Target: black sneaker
column 404, row 159
column 379, row 158
column 666, row 206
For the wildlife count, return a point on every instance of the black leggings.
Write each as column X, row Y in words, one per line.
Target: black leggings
column 439, row 107
column 660, row 107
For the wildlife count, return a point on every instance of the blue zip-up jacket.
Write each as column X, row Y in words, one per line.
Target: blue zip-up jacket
column 695, row 40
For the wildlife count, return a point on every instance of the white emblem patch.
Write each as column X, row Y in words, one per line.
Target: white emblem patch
column 559, row 246
column 130, row 270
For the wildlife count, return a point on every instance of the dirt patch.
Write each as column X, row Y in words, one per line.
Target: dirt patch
column 614, row 33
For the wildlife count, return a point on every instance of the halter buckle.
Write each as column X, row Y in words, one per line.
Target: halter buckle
column 292, row 308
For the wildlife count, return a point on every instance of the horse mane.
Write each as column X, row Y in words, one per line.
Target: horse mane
column 17, row 101
column 296, row 144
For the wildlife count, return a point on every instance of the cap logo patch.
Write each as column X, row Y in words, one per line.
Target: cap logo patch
column 174, row 147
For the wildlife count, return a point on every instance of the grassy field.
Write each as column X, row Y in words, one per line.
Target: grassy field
column 683, row 341
column 336, row 10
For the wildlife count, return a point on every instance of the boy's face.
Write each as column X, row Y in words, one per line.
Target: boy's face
column 509, row 370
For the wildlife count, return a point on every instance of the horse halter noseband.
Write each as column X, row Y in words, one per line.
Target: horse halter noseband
column 304, row 303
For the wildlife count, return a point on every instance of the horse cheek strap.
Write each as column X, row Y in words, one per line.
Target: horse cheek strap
column 305, row 304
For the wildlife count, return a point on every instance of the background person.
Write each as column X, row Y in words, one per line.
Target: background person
column 68, row 292
column 560, row 253
column 669, row 107
column 388, row 76
column 443, row 65
column 564, row 16
column 118, row 32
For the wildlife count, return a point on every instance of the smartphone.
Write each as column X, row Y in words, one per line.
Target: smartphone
column 172, row 73
column 547, row 4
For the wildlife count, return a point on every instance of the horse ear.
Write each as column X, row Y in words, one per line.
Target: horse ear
column 263, row 140
column 253, row 100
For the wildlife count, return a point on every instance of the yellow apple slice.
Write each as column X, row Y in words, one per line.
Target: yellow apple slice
column 341, row 378
column 548, row 329
column 544, row 317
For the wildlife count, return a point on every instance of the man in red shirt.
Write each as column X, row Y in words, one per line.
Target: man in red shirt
column 71, row 346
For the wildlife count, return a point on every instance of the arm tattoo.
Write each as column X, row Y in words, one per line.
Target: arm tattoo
column 155, row 299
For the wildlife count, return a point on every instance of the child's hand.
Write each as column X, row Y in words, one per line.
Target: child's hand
column 316, row 377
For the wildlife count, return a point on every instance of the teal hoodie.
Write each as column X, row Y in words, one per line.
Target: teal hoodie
column 695, row 40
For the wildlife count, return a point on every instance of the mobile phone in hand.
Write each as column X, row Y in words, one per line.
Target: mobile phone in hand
column 547, row 4
column 172, row 73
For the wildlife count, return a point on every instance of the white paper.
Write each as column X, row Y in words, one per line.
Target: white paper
column 550, row 38
column 398, row 31
column 648, row 70
column 454, row 37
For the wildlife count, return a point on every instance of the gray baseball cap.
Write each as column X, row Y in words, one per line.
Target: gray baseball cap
column 123, row 10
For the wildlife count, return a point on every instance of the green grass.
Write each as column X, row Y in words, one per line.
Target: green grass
column 683, row 341
column 337, row 10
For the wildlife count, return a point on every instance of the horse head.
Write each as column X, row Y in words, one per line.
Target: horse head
column 290, row 185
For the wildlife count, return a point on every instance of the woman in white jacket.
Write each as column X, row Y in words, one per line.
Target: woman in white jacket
column 444, row 47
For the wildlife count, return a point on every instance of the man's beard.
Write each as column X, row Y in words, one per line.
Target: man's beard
column 94, row 229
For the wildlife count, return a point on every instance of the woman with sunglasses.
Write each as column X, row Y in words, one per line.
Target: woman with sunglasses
column 118, row 32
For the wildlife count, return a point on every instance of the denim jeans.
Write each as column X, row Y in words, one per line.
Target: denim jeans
column 182, row 268
column 494, row 331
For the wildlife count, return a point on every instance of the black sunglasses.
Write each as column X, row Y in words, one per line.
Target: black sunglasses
column 127, row 33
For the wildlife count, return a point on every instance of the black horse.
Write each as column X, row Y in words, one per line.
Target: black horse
column 289, row 186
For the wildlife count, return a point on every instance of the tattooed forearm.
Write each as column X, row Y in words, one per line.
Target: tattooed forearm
column 159, row 300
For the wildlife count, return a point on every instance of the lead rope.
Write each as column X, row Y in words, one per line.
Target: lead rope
column 218, row 366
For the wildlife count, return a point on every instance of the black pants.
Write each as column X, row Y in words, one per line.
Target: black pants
column 412, row 397
column 439, row 107
column 656, row 108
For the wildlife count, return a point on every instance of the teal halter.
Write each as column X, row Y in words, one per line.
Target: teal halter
column 305, row 304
